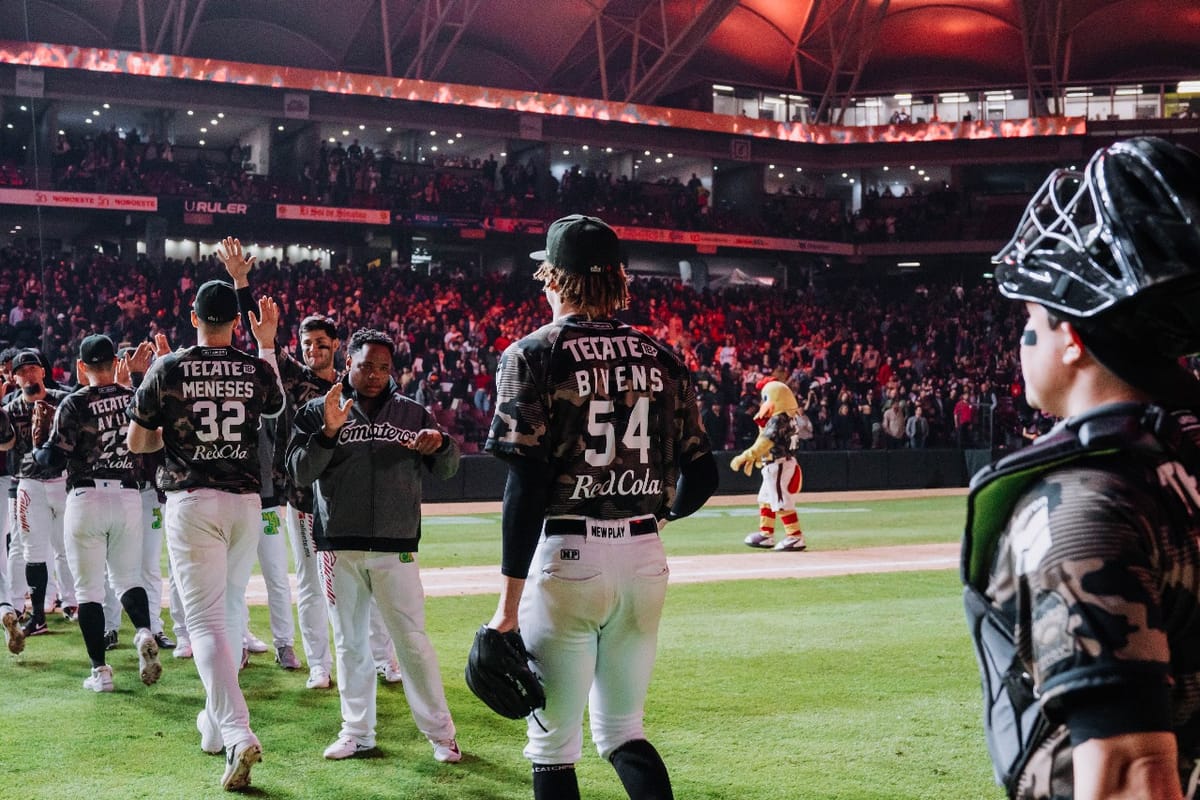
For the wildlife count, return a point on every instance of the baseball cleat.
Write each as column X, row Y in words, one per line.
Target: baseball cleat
column 760, row 539
column 100, row 680
column 793, row 544
column 148, row 664
column 447, row 752
column 238, row 761
column 110, row 640
column 183, row 649
column 390, row 672
column 35, row 627
column 210, row 734
column 318, row 678
column 346, row 747
column 245, row 662
column 254, row 644
column 14, row 637
column 285, row 656
column 71, row 613
column 164, row 642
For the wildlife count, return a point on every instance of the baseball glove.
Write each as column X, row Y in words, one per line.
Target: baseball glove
column 498, row 673
column 41, row 422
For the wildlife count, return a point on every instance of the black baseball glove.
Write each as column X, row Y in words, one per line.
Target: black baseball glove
column 498, row 673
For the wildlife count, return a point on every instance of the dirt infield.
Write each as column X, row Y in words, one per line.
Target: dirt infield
column 759, row 564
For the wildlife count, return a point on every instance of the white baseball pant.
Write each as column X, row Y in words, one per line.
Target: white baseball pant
column 151, row 567
column 40, row 509
column 590, row 614
column 311, row 608
column 103, row 535
column 18, row 587
column 5, row 529
column 351, row 578
column 211, row 539
column 273, row 564
column 152, row 552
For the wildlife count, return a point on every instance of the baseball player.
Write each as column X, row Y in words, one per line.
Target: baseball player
column 302, row 382
column 1082, row 554
column 202, row 406
column 132, row 364
column 103, row 519
column 364, row 458
column 14, row 636
column 775, row 452
column 597, row 422
column 41, row 491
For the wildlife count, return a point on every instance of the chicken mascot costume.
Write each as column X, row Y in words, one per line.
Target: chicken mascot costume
column 774, row 451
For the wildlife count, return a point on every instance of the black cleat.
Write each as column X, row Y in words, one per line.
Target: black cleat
column 164, row 642
column 110, row 640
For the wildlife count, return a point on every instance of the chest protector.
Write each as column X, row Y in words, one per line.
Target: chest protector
column 1013, row 721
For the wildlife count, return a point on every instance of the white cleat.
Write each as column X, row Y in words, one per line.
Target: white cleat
column 100, row 680
column 238, row 761
column 210, row 734
column 254, row 644
column 14, row 637
column 447, row 752
column 148, row 664
column 346, row 747
column 318, row 678
column 390, row 672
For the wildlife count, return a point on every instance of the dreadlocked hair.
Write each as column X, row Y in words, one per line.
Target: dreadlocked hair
column 595, row 295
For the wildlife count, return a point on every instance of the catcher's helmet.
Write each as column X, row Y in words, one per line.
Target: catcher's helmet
column 1115, row 248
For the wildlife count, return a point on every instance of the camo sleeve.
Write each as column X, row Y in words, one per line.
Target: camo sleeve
column 6, row 428
column 146, row 407
column 522, row 412
column 1084, row 551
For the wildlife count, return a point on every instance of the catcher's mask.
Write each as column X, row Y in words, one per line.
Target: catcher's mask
column 1115, row 249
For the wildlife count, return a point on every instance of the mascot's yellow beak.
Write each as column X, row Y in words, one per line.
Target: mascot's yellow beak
column 777, row 398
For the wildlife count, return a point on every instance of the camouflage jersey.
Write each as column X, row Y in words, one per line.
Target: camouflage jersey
column 611, row 411
column 208, row 402
column 300, row 384
column 783, row 431
column 90, row 429
column 20, row 457
column 1098, row 571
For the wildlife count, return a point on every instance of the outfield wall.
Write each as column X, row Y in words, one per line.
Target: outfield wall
column 482, row 477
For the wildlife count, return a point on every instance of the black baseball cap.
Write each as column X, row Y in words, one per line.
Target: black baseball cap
column 216, row 302
column 581, row 245
column 97, row 349
column 26, row 358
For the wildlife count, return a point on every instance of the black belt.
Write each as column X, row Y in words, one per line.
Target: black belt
column 578, row 527
column 88, row 483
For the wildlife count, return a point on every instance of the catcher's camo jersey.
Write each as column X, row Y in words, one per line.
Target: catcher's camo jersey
column 1063, row 576
column 619, row 402
column 20, row 413
column 90, row 428
column 208, row 401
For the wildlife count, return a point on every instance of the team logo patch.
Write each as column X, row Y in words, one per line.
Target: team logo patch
column 568, row 554
column 406, row 558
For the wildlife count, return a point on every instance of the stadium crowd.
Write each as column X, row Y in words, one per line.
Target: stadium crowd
column 357, row 176
column 863, row 359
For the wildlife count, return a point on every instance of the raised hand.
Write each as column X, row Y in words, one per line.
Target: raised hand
column 139, row 359
column 161, row 346
column 265, row 324
column 337, row 411
column 236, row 263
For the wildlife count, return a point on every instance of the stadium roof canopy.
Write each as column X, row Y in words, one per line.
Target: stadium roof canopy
column 659, row 51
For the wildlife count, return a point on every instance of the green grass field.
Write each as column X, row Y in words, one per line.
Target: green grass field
column 860, row 687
